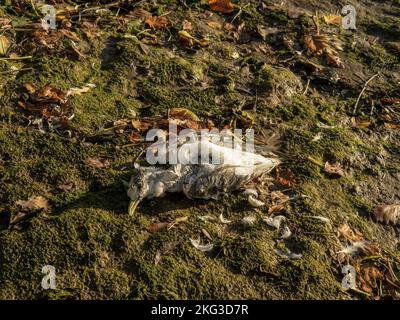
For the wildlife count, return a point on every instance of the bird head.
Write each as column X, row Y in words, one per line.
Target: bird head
column 138, row 187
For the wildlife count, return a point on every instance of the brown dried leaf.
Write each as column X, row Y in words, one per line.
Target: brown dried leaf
column 276, row 208
column 4, row 45
column 158, row 226
column 157, row 23
column 285, row 177
column 387, row 213
column 183, row 114
column 89, row 29
column 140, row 126
column 187, row 25
column 333, row 59
column 334, row 169
column 140, row 13
column 70, row 35
column 134, row 137
column 34, row 203
column 223, row 6
column 97, row 162
column 345, row 232
column 214, row 25
column 333, row 19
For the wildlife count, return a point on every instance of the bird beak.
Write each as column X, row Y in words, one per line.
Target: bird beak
column 132, row 207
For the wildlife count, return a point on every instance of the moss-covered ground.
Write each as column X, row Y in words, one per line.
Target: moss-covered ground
column 98, row 250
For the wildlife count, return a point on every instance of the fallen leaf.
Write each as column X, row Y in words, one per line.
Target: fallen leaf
column 323, row 45
column 387, row 213
column 360, row 123
column 279, row 197
column 158, row 226
column 4, row 45
column 223, row 6
column 334, row 169
column 345, row 232
column 187, row 40
column 390, row 125
column 276, row 208
column 285, row 177
column 183, row 114
column 186, row 25
column 157, row 23
column 215, row 25
column 97, row 163
column 141, row 126
column 70, row 35
column 134, row 137
column 333, row 59
column 34, row 203
column 333, row 19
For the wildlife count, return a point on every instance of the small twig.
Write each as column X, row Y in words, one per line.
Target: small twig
column 17, row 70
column 240, row 12
column 316, row 21
column 366, row 294
column 34, row 8
column 17, row 58
column 362, row 92
column 307, row 85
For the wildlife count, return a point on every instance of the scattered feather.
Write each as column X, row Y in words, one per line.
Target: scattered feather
column 198, row 246
column 286, row 233
column 250, row 192
column 223, row 220
column 274, row 221
column 324, row 219
column 288, row 255
column 248, row 221
column 207, row 218
column 255, row 202
column 166, row 249
column 354, row 248
column 345, row 232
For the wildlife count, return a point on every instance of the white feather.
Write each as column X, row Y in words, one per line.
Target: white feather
column 255, row 202
column 203, row 248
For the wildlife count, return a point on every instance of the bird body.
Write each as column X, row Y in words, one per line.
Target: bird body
column 233, row 171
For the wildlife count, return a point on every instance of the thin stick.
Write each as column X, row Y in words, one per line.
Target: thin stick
column 34, row 8
column 362, row 92
column 18, row 70
column 306, row 89
column 17, row 58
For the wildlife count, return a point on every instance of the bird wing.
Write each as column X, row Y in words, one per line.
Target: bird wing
column 210, row 182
